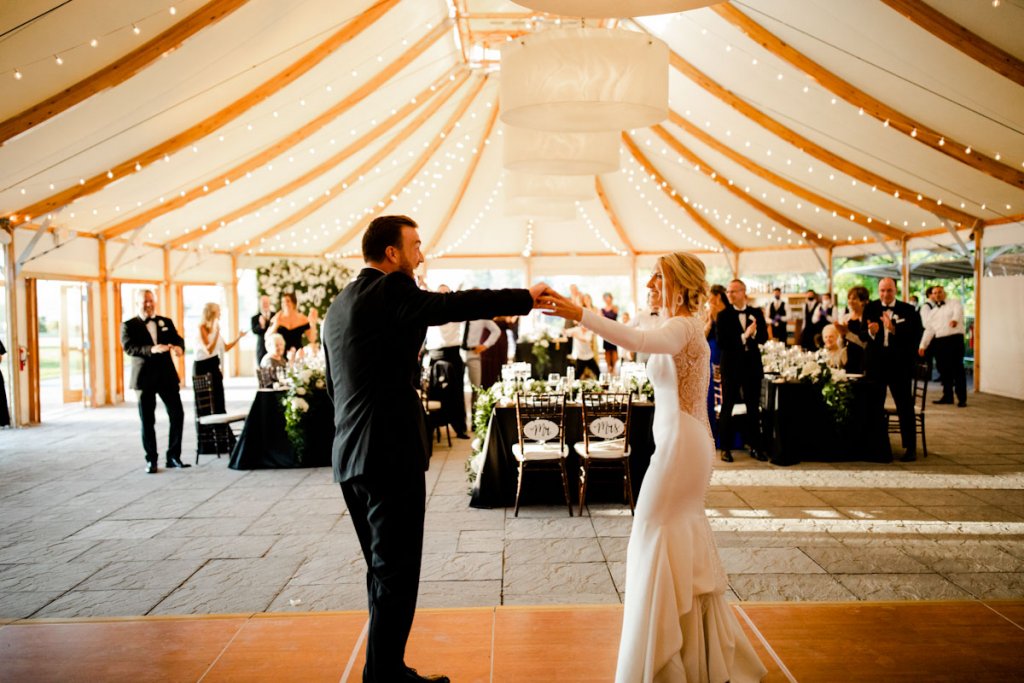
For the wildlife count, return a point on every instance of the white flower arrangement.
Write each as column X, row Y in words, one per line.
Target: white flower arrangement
column 315, row 285
column 301, row 378
column 796, row 365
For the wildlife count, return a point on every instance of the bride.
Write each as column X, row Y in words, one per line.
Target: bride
column 677, row 625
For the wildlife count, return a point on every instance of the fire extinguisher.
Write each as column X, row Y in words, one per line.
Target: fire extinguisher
column 22, row 357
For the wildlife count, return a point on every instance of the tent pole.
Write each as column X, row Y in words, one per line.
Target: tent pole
column 529, row 270
column 632, row 283
column 106, row 352
column 12, row 327
column 979, row 274
column 233, row 301
column 905, row 268
column 831, row 273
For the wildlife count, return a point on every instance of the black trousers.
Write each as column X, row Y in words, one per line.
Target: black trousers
column 175, row 414
column 733, row 386
column 211, row 366
column 453, row 403
column 949, row 359
column 583, row 365
column 900, row 384
column 387, row 513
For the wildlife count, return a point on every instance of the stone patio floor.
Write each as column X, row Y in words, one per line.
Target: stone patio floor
column 84, row 532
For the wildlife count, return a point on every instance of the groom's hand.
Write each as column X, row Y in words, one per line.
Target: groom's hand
column 540, row 289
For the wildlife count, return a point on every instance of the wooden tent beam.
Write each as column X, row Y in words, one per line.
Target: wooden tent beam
column 208, row 187
column 315, row 172
column 365, row 168
column 665, row 187
column 211, row 123
column 702, row 166
column 614, row 217
column 815, row 150
column 120, row 70
column 858, row 217
column 411, row 174
column 971, row 44
column 464, row 185
column 870, row 105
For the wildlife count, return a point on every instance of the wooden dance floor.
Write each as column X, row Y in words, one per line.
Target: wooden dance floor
column 896, row 641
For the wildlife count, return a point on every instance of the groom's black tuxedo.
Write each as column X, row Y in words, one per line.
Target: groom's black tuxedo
column 372, row 335
column 154, row 374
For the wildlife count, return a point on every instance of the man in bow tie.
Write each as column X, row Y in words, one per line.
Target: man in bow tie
column 894, row 330
column 944, row 337
column 151, row 340
column 741, row 329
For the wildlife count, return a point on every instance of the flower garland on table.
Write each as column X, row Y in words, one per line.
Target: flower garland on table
column 315, row 285
column 502, row 392
column 641, row 387
column 794, row 364
column 302, row 378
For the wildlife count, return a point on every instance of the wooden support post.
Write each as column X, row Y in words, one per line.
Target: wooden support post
column 528, row 263
column 905, row 268
column 233, row 302
column 633, row 288
column 979, row 275
column 32, row 342
column 106, row 351
column 12, row 329
column 831, row 275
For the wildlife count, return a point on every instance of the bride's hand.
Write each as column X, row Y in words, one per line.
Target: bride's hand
column 558, row 305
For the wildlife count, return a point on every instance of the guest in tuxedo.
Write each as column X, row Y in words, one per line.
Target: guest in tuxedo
column 209, row 358
column 5, row 415
column 944, row 333
column 853, row 329
column 372, row 336
column 260, row 325
column 444, row 343
column 827, row 311
column 812, row 322
column 894, row 331
column 741, row 328
column 777, row 316
column 151, row 340
column 925, row 310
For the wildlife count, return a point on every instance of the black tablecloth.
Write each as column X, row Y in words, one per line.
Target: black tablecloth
column 558, row 358
column 496, row 484
column 799, row 426
column 264, row 444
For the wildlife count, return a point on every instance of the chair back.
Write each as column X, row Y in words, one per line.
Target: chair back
column 541, row 419
column 202, row 387
column 716, row 376
column 606, row 417
column 266, row 377
column 922, row 374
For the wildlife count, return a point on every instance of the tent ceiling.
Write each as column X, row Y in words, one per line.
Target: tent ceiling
column 272, row 128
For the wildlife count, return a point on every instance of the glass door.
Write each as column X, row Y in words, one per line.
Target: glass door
column 72, row 342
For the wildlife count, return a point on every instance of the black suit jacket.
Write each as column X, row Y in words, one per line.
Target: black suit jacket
column 372, row 334
column 737, row 357
column 260, row 330
column 151, row 371
column 902, row 350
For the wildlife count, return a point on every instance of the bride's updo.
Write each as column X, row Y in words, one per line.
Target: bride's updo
column 683, row 281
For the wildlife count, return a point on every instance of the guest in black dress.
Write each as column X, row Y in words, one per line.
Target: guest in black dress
column 5, row 416
column 493, row 358
column 295, row 327
column 852, row 328
column 611, row 351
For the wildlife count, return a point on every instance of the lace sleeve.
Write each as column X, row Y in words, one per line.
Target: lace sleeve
column 669, row 338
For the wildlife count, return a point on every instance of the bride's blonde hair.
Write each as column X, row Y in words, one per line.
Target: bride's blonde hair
column 689, row 285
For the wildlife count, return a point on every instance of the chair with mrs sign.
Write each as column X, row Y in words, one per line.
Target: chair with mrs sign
column 605, row 439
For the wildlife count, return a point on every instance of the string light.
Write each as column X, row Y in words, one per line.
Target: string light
column 528, row 249
column 597, row 233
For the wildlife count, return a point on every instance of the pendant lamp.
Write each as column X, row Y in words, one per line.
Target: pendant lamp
column 584, row 80
column 555, row 210
column 568, row 188
column 534, row 151
column 613, row 8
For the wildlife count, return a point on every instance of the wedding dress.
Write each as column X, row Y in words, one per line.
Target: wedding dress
column 677, row 625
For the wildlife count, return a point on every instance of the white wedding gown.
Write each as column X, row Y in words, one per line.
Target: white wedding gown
column 677, row 625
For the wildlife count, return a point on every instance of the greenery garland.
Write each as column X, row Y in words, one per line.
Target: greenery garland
column 302, row 379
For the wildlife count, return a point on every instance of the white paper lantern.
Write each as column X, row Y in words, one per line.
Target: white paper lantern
column 536, row 151
column 559, row 187
column 613, row 8
column 584, row 80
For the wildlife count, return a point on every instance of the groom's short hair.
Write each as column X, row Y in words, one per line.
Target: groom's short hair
column 384, row 232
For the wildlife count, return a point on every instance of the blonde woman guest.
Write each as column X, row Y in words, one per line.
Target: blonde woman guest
column 836, row 353
column 209, row 359
column 677, row 623
column 296, row 328
column 275, row 357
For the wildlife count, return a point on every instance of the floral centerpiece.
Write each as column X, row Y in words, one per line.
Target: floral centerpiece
column 794, row 364
column 315, row 284
column 302, row 378
column 541, row 340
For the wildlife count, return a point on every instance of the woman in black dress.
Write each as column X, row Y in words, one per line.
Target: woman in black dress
column 295, row 327
column 611, row 351
column 853, row 329
column 5, row 416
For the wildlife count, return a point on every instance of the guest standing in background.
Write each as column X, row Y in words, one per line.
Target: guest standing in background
column 259, row 327
column 295, row 327
column 5, row 415
column 444, row 344
column 717, row 303
column 494, row 357
column 944, row 332
column 209, row 359
column 583, row 351
column 894, row 332
column 777, row 316
column 611, row 351
column 479, row 335
column 151, row 340
column 812, row 322
column 853, row 328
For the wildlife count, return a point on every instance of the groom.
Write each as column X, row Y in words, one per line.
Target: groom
column 372, row 335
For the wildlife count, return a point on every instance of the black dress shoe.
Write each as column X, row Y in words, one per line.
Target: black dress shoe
column 175, row 463
column 758, row 455
column 909, row 456
column 150, row 468
column 463, row 435
column 726, row 456
column 961, row 404
column 412, row 677
column 943, row 401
